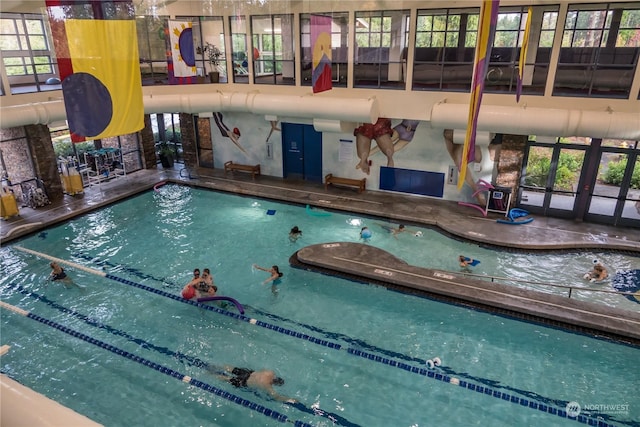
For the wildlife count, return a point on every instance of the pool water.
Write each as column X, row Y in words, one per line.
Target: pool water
column 335, row 342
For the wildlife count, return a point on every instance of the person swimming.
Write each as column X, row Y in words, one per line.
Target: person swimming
column 365, row 233
column 598, row 273
column 262, row 380
column 295, row 234
column 57, row 272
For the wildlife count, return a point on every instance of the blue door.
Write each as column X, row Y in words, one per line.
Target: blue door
column 302, row 152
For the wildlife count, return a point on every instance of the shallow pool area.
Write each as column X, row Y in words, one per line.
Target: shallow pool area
column 352, row 354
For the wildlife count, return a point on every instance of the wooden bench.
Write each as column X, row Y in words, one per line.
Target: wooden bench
column 360, row 184
column 253, row 170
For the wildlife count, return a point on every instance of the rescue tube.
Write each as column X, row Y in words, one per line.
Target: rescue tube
column 221, row 298
column 158, row 185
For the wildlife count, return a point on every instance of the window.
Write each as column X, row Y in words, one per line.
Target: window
column 379, row 46
column 339, row 48
column 445, row 49
column 239, row 49
column 599, row 50
column 152, row 49
column 207, row 34
column 26, row 53
column 273, row 49
column 166, row 131
column 438, row 28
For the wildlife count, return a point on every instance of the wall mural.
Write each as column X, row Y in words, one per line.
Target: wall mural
column 409, row 144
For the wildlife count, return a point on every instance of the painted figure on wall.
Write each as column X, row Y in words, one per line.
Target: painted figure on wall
column 381, row 132
column 233, row 135
column 402, row 134
column 274, row 127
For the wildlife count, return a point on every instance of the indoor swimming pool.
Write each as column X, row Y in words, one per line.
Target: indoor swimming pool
column 120, row 336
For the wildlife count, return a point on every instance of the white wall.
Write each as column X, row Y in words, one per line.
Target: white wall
column 426, row 152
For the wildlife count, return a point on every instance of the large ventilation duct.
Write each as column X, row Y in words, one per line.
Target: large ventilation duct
column 307, row 107
column 345, row 109
column 540, row 121
column 482, row 138
column 42, row 113
column 192, row 104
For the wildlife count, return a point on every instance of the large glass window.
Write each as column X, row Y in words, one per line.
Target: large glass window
column 212, row 34
column 445, row 48
column 599, row 50
column 27, row 54
column 167, row 134
column 152, row 49
column 209, row 46
column 502, row 75
column 273, row 49
column 339, row 48
column 380, row 42
column 239, row 49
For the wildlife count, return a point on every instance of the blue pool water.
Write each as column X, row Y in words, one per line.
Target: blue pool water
column 336, row 343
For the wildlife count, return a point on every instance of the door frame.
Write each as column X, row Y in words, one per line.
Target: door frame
column 584, row 190
column 549, row 191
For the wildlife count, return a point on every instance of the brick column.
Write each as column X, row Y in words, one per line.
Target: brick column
column 206, row 142
column 189, row 145
column 45, row 165
column 148, row 145
column 510, row 162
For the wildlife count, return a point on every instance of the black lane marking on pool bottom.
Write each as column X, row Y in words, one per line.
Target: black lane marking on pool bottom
column 547, row 408
column 360, row 344
column 167, row 371
column 491, row 387
column 133, row 271
column 544, row 407
column 559, row 411
column 191, row 360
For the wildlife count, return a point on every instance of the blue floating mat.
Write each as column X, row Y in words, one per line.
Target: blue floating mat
column 628, row 281
column 513, row 216
column 473, row 262
column 271, row 212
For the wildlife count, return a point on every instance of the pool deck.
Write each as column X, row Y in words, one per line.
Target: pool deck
column 542, row 233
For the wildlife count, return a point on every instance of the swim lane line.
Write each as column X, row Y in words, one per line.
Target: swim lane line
column 129, row 282
column 363, row 345
column 165, row 351
column 160, row 368
column 553, row 410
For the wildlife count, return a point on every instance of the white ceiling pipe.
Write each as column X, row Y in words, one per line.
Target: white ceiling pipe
column 543, row 121
column 334, row 126
column 347, row 109
column 42, row 113
column 174, row 103
column 482, row 138
column 341, row 109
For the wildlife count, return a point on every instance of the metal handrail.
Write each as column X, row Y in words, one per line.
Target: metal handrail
column 570, row 288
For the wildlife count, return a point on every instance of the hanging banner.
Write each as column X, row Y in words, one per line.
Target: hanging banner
column 100, row 74
column 321, row 51
column 182, row 52
column 486, row 32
